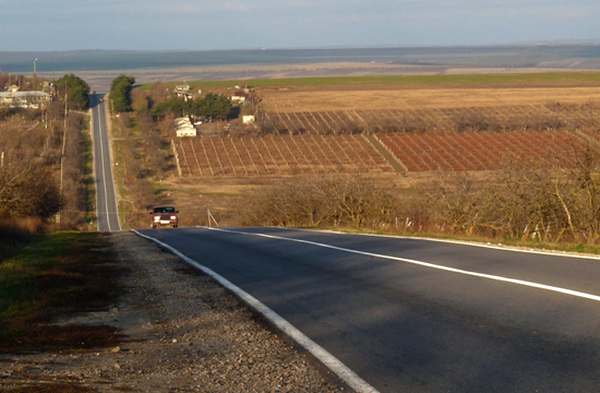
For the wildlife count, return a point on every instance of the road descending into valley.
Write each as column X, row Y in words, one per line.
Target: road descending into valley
column 408, row 315
column 106, row 200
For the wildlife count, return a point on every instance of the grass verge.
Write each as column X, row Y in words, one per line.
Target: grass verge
column 51, row 278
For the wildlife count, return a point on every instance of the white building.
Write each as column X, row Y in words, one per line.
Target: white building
column 23, row 99
column 249, row 119
column 184, row 128
column 238, row 97
column 183, row 91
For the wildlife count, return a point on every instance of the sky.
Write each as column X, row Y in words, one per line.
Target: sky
column 241, row 24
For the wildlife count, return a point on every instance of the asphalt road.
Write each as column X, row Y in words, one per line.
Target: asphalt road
column 405, row 327
column 106, row 202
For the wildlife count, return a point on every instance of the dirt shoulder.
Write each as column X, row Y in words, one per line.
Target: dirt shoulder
column 174, row 330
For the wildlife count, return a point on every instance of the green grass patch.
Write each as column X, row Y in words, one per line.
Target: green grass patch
column 537, row 79
column 54, row 276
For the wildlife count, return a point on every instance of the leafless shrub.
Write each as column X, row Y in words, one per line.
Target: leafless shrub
column 330, row 201
column 473, row 121
column 522, row 202
column 28, row 191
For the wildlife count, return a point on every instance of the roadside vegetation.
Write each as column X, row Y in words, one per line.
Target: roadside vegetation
column 32, row 142
column 143, row 157
column 528, row 205
column 52, row 277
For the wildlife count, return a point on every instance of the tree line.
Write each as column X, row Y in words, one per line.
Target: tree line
column 211, row 107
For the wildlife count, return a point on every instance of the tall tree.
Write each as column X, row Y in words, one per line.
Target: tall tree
column 120, row 93
column 214, row 107
column 77, row 91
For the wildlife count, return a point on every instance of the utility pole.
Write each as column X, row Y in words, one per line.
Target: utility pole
column 2, row 160
column 64, row 144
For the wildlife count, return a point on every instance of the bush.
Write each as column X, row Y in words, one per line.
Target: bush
column 28, row 192
column 329, row 201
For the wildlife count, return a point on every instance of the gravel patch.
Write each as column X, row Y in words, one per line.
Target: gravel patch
column 183, row 333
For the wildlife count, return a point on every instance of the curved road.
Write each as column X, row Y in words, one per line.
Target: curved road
column 420, row 316
column 106, row 200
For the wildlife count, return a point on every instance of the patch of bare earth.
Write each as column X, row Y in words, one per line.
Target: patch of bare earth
column 181, row 332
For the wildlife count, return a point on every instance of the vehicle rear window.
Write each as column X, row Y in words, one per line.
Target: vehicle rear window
column 164, row 210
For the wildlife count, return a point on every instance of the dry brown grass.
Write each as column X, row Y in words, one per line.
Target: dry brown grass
column 339, row 100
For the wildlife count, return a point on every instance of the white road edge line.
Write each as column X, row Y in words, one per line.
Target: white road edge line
column 525, row 283
column 331, row 362
column 101, row 137
column 566, row 254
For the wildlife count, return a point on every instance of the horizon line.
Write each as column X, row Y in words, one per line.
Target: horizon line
column 557, row 43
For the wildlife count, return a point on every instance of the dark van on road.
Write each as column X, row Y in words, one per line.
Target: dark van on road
column 165, row 216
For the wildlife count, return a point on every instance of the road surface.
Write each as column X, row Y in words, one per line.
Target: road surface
column 412, row 315
column 106, row 200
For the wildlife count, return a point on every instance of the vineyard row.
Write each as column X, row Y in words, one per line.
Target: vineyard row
column 422, row 152
column 507, row 118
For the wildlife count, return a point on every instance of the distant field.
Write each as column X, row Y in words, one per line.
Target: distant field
column 504, row 102
column 404, row 81
column 533, row 79
column 363, row 99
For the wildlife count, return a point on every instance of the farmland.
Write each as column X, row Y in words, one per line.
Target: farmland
column 424, row 152
column 418, row 81
column 505, row 118
column 476, row 151
column 400, row 131
column 368, row 99
column 279, row 155
column 448, row 109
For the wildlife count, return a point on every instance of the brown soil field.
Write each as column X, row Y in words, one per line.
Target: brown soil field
column 346, row 100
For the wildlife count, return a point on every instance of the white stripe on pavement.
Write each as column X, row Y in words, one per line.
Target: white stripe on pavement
column 469, row 243
column 564, row 291
column 331, row 362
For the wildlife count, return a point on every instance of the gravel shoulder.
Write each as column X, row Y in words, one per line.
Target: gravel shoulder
column 179, row 331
